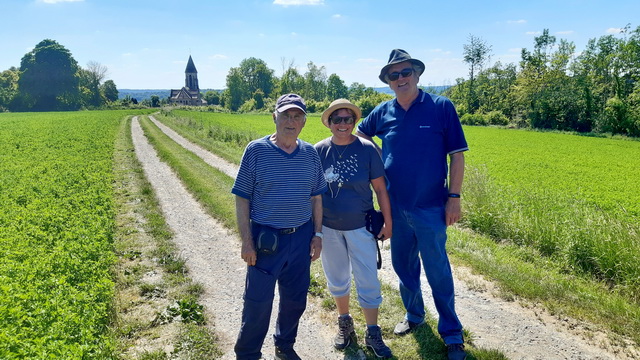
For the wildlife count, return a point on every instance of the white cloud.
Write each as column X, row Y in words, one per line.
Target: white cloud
column 336, row 16
column 58, row 1
column 567, row 32
column 218, row 56
column 298, row 2
column 614, row 30
column 533, row 33
column 521, row 21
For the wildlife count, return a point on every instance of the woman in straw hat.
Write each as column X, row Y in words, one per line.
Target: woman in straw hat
column 351, row 164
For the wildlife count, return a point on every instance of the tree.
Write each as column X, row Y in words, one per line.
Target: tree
column 256, row 76
column 291, row 81
column 89, row 89
column 315, row 83
column 49, row 79
column 212, row 97
column 476, row 54
column 109, row 91
column 8, row 87
column 235, row 93
column 336, row 89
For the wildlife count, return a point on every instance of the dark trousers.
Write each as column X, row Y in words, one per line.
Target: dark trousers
column 289, row 267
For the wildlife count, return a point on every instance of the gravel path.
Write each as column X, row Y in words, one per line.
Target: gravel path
column 212, row 256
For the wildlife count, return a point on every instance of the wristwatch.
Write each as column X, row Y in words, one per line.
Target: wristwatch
column 319, row 234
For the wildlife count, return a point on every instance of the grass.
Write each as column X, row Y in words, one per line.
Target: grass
column 543, row 247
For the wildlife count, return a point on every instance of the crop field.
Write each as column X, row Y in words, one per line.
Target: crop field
column 603, row 172
column 56, row 234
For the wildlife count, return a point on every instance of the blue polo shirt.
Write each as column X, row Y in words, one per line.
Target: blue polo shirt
column 279, row 185
column 415, row 145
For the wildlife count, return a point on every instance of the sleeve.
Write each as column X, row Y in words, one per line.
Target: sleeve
column 368, row 125
column 245, row 180
column 376, row 164
column 320, row 182
column 454, row 135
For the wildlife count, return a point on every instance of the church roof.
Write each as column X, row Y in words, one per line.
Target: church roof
column 191, row 68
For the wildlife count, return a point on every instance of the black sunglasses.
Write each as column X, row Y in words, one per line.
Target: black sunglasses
column 335, row 120
column 396, row 75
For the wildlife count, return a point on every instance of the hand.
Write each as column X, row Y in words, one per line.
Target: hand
column 248, row 253
column 452, row 211
column 316, row 248
column 385, row 233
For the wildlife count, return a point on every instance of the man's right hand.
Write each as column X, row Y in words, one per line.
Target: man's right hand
column 248, row 253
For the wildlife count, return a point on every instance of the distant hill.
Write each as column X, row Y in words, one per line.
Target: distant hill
column 145, row 94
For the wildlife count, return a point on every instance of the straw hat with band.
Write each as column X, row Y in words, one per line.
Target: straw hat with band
column 340, row 104
column 397, row 56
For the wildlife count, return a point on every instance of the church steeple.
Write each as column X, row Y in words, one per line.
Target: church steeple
column 191, row 76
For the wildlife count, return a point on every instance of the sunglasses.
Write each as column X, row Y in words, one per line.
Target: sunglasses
column 335, row 120
column 396, row 74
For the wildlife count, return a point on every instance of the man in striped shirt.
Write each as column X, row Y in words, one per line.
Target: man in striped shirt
column 279, row 209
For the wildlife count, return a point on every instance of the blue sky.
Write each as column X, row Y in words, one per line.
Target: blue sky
column 145, row 44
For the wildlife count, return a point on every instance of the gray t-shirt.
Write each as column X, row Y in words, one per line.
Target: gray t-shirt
column 348, row 170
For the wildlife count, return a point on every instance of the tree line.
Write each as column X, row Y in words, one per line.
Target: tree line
column 49, row 79
column 597, row 90
column 252, row 86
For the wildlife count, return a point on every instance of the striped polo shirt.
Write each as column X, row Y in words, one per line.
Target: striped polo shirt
column 279, row 185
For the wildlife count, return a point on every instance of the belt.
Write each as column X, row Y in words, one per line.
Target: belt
column 288, row 230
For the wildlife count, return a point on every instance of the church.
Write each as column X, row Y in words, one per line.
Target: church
column 190, row 93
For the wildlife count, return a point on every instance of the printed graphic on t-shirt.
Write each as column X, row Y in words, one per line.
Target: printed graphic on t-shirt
column 340, row 172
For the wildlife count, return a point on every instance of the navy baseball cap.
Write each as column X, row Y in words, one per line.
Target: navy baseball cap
column 290, row 101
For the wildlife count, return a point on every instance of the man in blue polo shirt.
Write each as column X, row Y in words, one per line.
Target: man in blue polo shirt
column 418, row 132
column 278, row 192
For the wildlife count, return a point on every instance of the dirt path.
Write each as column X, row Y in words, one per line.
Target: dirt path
column 212, row 257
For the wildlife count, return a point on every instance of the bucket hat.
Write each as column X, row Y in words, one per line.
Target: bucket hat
column 397, row 56
column 340, row 104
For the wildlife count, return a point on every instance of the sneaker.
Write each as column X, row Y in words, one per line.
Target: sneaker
column 456, row 352
column 286, row 354
column 405, row 326
column 345, row 333
column 373, row 339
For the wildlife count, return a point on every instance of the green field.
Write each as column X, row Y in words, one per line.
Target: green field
column 56, row 234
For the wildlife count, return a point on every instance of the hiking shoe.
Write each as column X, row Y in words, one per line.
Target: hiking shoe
column 373, row 339
column 286, row 354
column 405, row 326
column 456, row 352
column 345, row 333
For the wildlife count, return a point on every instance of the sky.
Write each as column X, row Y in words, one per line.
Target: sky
column 145, row 44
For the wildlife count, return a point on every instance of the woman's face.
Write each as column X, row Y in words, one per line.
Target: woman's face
column 346, row 123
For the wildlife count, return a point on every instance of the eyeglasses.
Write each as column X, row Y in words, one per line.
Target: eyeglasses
column 335, row 120
column 296, row 117
column 396, row 74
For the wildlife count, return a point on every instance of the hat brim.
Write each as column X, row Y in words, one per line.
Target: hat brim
column 385, row 69
column 290, row 106
column 341, row 105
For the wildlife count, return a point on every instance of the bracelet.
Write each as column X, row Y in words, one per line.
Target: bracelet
column 454, row 195
column 319, row 234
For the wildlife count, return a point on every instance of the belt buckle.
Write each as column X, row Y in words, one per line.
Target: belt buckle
column 288, row 231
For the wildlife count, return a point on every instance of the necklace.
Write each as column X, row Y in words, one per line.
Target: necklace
column 343, row 150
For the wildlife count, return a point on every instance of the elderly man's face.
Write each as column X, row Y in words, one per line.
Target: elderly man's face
column 403, row 84
column 290, row 122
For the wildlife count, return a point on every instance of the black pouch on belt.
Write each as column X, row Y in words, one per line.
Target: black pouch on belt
column 267, row 240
